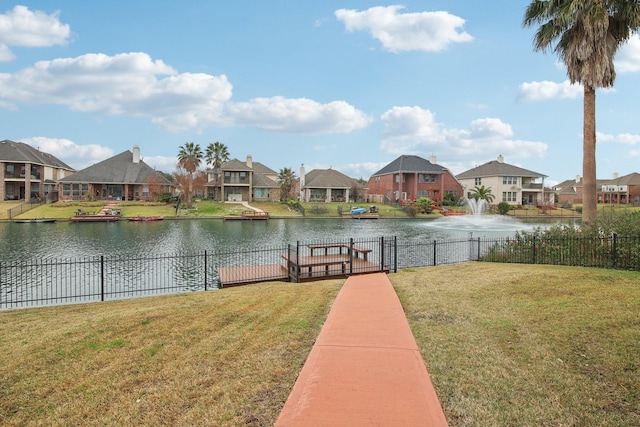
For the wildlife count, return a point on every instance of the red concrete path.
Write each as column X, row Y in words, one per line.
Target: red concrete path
column 365, row 368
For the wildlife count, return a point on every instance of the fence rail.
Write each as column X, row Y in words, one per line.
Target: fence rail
column 54, row 282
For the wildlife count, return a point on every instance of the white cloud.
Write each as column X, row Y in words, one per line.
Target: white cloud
column 621, row 138
column 161, row 163
column 74, row 155
column 278, row 114
column 628, row 57
column 132, row 84
column 423, row 31
column 545, row 90
column 22, row 27
column 361, row 170
column 414, row 130
column 125, row 84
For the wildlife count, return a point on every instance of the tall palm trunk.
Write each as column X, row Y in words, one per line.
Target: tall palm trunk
column 589, row 196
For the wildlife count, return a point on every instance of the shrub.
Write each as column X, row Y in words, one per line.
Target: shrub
column 503, row 208
column 424, row 205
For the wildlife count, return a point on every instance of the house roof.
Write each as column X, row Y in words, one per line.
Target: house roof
column 410, row 163
column 11, row 151
column 630, row 179
column 261, row 176
column 235, row 165
column 119, row 169
column 327, row 178
column 497, row 168
column 260, row 173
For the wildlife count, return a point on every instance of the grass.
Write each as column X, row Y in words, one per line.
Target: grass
column 505, row 345
column 528, row 345
column 209, row 358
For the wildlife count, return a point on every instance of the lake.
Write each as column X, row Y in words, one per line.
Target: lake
column 67, row 240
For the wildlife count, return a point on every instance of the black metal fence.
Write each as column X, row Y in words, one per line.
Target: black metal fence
column 54, row 282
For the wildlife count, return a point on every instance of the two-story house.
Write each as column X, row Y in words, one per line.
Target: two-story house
column 620, row 189
column 411, row 177
column 508, row 183
column 28, row 173
column 244, row 181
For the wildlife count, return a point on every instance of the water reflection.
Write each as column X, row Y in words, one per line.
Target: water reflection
column 137, row 239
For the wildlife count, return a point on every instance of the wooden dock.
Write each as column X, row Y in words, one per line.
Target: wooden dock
column 249, row 216
column 307, row 268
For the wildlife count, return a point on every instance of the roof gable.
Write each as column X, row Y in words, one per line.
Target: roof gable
column 410, row 163
column 11, row 151
column 119, row 169
column 496, row 168
column 327, row 178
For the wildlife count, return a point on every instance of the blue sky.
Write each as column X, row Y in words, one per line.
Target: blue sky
column 344, row 84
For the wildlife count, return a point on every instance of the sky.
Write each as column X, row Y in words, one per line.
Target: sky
column 348, row 85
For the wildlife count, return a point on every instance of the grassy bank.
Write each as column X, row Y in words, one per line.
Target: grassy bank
column 505, row 345
column 522, row 345
column 209, row 358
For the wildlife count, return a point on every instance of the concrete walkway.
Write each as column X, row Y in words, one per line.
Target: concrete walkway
column 365, row 368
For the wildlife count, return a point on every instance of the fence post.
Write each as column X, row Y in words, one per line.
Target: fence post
column 298, row 261
column 351, row 256
column 478, row 259
column 101, row 277
column 614, row 248
column 205, row 270
column 395, row 254
column 533, row 249
column 435, row 253
column 381, row 253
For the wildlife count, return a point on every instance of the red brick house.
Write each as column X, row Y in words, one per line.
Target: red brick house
column 620, row 189
column 411, row 177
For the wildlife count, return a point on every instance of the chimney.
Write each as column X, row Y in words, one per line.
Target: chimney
column 249, row 161
column 302, row 173
column 578, row 179
column 432, row 159
column 615, row 175
column 500, row 159
column 136, row 154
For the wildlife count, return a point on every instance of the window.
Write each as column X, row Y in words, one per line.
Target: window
column 66, row 189
column 509, row 196
column 510, row 180
column 9, row 169
column 397, row 178
column 260, row 193
column 478, row 181
column 145, row 191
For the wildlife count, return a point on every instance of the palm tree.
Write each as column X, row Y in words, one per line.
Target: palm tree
column 287, row 180
column 189, row 158
column 587, row 35
column 482, row 193
column 216, row 154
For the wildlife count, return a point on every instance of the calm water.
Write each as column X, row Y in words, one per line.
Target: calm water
column 66, row 240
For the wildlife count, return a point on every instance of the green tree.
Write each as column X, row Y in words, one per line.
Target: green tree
column 189, row 158
column 482, row 193
column 216, row 154
column 587, row 35
column 287, row 180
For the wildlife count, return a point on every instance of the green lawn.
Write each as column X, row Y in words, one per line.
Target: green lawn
column 506, row 345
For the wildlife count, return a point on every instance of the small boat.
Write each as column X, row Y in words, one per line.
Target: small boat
column 358, row 210
column 34, row 220
column 145, row 218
